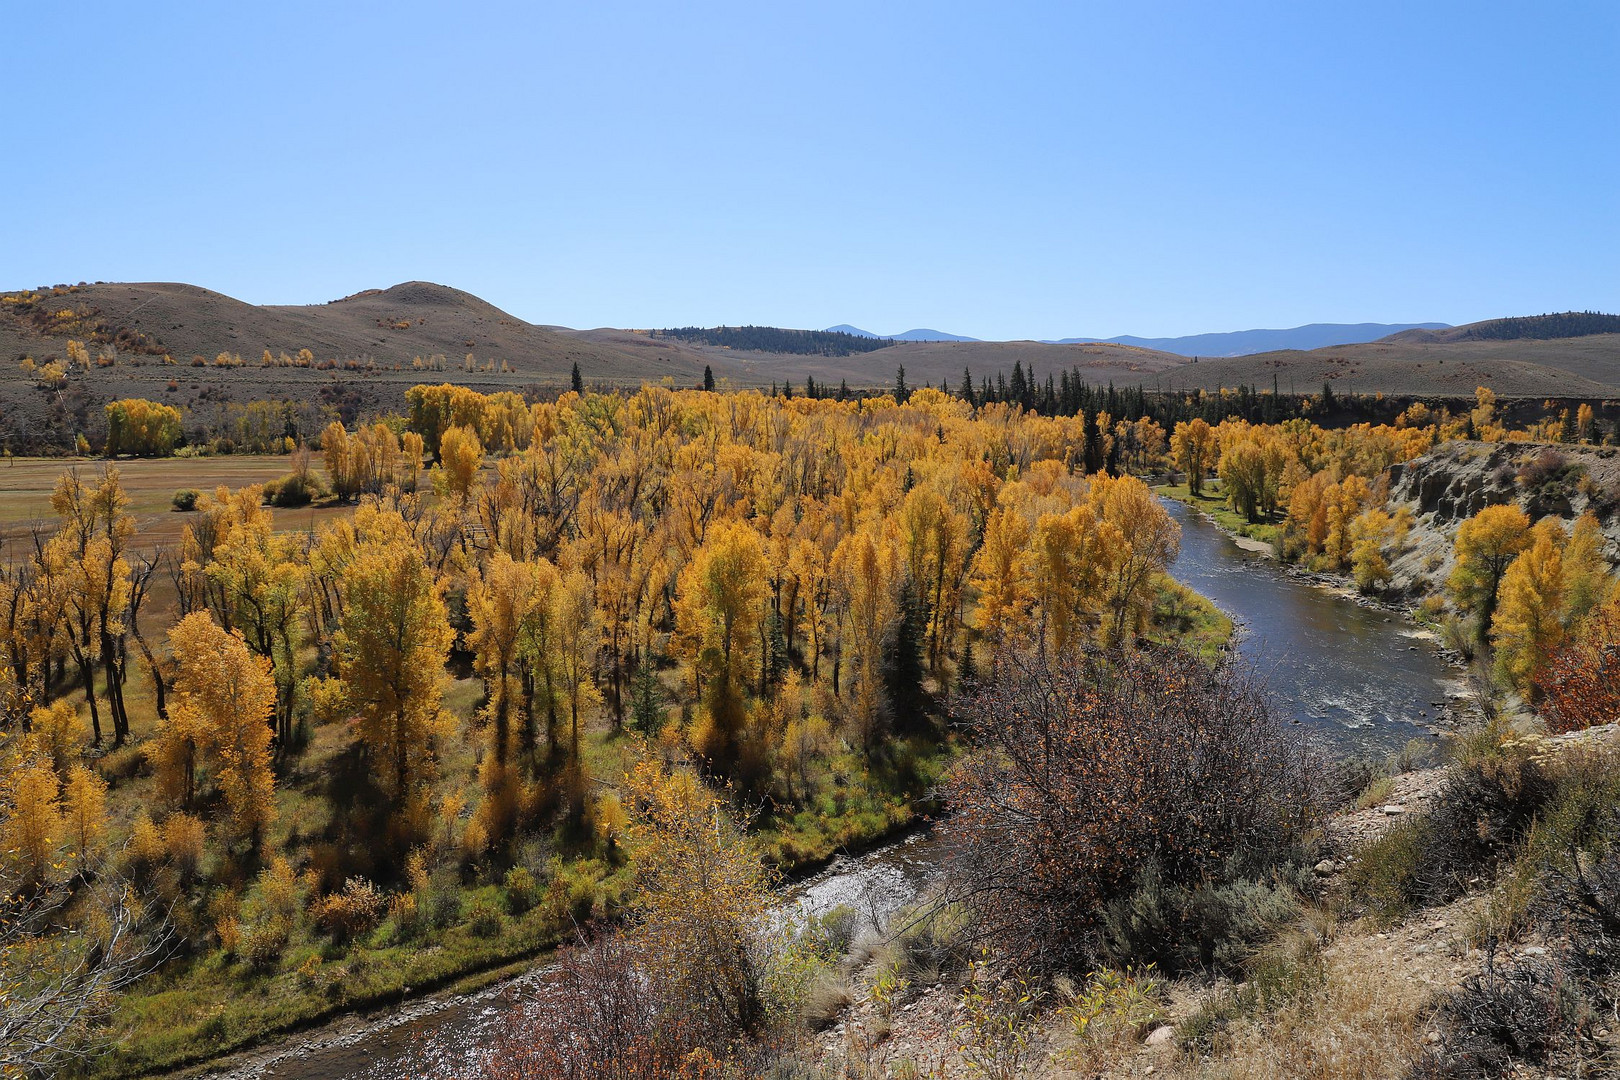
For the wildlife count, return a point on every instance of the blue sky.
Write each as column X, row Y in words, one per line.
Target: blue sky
column 996, row 169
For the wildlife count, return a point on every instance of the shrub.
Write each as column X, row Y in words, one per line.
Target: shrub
column 519, row 890
column 1087, row 771
column 294, row 489
column 184, row 839
column 354, row 911
column 186, row 499
column 1490, row 800
column 1216, row 923
column 440, row 903
column 262, row 945
column 484, row 918
column 598, row 1016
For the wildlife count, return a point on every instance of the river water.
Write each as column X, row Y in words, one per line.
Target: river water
column 1361, row 680
column 1357, row 680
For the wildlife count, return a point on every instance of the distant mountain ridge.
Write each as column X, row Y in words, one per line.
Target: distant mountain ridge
column 1248, row 342
column 921, row 334
column 1564, row 324
column 1233, row 343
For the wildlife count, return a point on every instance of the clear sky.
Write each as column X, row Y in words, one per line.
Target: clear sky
column 994, row 169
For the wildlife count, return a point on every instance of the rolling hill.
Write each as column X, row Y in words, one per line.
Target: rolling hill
column 366, row 349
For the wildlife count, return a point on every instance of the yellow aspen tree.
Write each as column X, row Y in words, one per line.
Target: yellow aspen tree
column 1370, row 531
column 1528, row 624
column 460, row 455
column 226, row 695
column 392, row 643
column 84, row 811
column 256, row 580
column 1195, row 447
column 720, row 607
column 1344, row 501
column 1140, row 542
column 1486, row 545
column 1067, row 558
column 935, row 537
column 1001, row 579
column 1243, row 477
column 32, row 828
column 539, row 669
column 336, row 453
column 577, row 637
column 56, row 731
column 499, row 602
column 869, row 572
column 1587, row 581
column 1585, row 428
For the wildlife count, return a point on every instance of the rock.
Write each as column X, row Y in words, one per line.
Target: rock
column 1394, row 808
column 1326, row 867
column 1535, row 950
column 1161, row 1035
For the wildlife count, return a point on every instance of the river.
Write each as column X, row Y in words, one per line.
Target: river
column 1356, row 679
column 1362, row 680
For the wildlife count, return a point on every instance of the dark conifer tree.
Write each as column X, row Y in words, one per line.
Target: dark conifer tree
column 708, row 378
column 575, row 381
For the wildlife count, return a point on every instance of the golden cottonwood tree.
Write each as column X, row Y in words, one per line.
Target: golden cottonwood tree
column 1194, row 446
column 1145, row 540
column 390, row 650
column 1486, row 546
column 460, row 455
column 224, row 697
column 1528, row 624
column 32, row 827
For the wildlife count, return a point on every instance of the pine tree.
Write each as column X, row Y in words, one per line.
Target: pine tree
column 708, row 377
column 575, row 381
column 901, row 393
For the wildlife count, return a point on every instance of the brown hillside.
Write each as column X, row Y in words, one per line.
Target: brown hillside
column 1560, row 367
column 364, row 346
column 928, row 362
column 386, row 326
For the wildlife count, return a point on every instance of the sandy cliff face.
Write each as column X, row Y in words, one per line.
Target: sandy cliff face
column 1458, row 480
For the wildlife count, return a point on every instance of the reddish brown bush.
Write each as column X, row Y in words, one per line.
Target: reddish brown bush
column 1581, row 686
column 597, row 1016
column 1091, row 774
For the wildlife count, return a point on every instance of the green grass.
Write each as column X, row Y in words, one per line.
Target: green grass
column 1188, row 619
column 1213, row 503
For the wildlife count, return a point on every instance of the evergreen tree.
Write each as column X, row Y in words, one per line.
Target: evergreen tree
column 1017, row 387
column 1094, row 451
column 903, row 661
column 708, row 377
column 646, row 699
column 575, row 381
column 967, row 387
column 810, row 387
column 843, row 389
column 901, row 394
